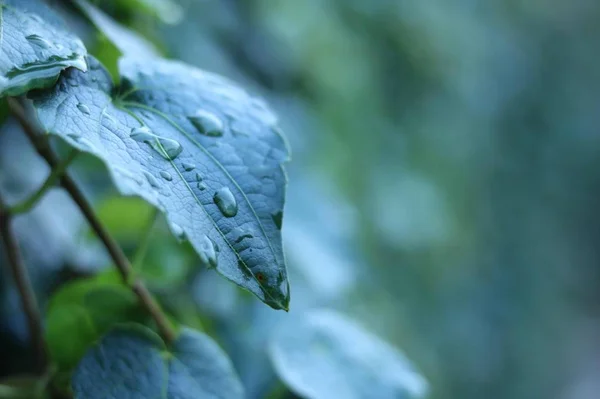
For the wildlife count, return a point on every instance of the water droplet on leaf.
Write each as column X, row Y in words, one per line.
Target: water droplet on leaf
column 167, row 148
column 241, row 235
column 200, row 185
column 207, row 252
column 171, row 148
column 166, row 175
column 142, row 134
column 207, row 123
column 177, row 230
column 151, row 179
column 39, row 41
column 188, row 166
column 83, row 108
column 226, row 202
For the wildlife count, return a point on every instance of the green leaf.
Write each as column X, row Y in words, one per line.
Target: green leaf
column 34, row 47
column 126, row 218
column 194, row 145
column 81, row 312
column 23, row 387
column 168, row 11
column 132, row 362
column 127, row 41
column 327, row 355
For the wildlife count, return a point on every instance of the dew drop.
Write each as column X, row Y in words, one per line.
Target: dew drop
column 226, row 202
column 110, row 121
column 83, row 108
column 177, row 230
column 201, row 186
column 39, row 41
column 151, row 179
column 142, row 134
column 167, row 148
column 278, row 219
column 188, row 166
column 166, row 175
column 241, row 235
column 207, row 252
column 207, row 123
column 171, row 148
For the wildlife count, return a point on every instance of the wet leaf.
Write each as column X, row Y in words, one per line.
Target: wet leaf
column 194, row 145
column 132, row 362
column 35, row 47
column 327, row 355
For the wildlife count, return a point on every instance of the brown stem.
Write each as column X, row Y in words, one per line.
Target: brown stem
column 115, row 251
column 23, row 283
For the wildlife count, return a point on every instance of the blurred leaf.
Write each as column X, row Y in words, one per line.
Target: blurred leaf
column 194, row 145
column 126, row 218
column 81, row 312
column 132, row 362
column 168, row 11
column 167, row 263
column 40, row 47
column 23, row 387
column 127, row 41
column 327, row 355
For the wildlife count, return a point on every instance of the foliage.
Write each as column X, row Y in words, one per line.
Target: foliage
column 205, row 161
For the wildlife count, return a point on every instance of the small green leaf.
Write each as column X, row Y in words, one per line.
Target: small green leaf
column 195, row 146
column 81, row 312
column 34, row 47
column 132, row 362
column 327, row 355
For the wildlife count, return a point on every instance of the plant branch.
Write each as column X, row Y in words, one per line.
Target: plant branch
column 115, row 251
column 55, row 175
column 23, row 283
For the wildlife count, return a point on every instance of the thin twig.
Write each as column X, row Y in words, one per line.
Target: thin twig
column 115, row 251
column 23, row 283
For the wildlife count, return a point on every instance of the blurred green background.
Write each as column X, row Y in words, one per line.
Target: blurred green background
column 443, row 188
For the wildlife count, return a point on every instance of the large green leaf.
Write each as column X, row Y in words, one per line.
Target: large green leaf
column 194, row 145
column 34, row 47
column 132, row 362
column 327, row 355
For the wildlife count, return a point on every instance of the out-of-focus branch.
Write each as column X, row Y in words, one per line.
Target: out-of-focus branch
column 24, row 287
column 115, row 251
